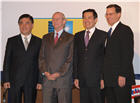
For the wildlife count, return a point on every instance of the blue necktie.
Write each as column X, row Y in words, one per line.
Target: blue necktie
column 109, row 33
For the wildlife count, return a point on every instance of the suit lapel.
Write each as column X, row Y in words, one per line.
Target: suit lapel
column 51, row 39
column 92, row 37
column 91, row 40
column 62, row 36
column 116, row 29
column 82, row 38
column 21, row 42
column 113, row 34
column 30, row 43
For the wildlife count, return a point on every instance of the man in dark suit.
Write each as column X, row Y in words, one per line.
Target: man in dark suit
column 21, row 73
column 118, row 70
column 88, row 58
column 55, row 62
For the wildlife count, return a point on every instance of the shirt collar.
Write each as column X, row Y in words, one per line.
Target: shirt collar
column 28, row 36
column 59, row 33
column 91, row 32
column 114, row 26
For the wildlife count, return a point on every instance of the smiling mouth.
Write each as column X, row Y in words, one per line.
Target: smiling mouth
column 87, row 23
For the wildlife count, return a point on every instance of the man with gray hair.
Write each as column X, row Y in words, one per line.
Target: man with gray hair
column 55, row 62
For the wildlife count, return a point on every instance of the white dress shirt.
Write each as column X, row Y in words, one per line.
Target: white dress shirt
column 28, row 38
column 91, row 32
column 114, row 26
column 59, row 33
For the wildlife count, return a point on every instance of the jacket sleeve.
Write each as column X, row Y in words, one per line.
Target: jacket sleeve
column 75, row 58
column 127, row 51
column 7, row 61
column 40, row 77
column 42, row 61
column 102, row 55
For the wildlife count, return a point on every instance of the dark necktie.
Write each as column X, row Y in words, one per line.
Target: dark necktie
column 87, row 38
column 109, row 33
column 56, row 38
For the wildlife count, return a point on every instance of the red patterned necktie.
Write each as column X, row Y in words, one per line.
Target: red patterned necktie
column 56, row 38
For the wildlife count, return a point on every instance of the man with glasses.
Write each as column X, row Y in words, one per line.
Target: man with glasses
column 118, row 70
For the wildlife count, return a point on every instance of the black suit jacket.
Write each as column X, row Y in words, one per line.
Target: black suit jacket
column 88, row 61
column 21, row 66
column 119, row 56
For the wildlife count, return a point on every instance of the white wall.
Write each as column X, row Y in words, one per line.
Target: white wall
column 12, row 10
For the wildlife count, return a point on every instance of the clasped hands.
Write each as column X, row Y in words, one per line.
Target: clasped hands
column 53, row 76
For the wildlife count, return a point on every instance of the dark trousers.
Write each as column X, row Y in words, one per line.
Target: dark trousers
column 118, row 94
column 15, row 94
column 57, row 95
column 90, row 95
column 103, row 96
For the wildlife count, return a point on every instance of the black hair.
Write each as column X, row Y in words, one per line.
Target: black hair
column 26, row 16
column 90, row 10
column 117, row 7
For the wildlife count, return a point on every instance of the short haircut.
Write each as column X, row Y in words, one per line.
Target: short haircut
column 90, row 10
column 26, row 16
column 63, row 16
column 117, row 7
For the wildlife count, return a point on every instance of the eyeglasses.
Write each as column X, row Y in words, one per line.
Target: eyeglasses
column 110, row 14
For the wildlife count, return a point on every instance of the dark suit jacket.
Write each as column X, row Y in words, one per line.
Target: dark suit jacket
column 88, row 61
column 21, row 66
column 119, row 56
column 57, row 58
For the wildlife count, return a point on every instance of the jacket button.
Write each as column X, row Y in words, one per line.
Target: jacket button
column 86, row 49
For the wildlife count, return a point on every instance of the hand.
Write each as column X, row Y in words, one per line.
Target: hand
column 39, row 86
column 76, row 83
column 7, row 85
column 121, row 81
column 55, row 75
column 102, row 84
column 47, row 74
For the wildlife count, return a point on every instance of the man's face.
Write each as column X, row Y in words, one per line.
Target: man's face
column 88, row 20
column 25, row 26
column 111, row 16
column 58, row 21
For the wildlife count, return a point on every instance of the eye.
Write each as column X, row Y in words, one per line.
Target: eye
column 27, row 22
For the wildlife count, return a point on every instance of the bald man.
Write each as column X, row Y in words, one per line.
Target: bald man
column 55, row 62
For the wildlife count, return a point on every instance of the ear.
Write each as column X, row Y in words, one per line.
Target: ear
column 96, row 20
column 119, row 15
column 32, row 26
column 64, row 21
